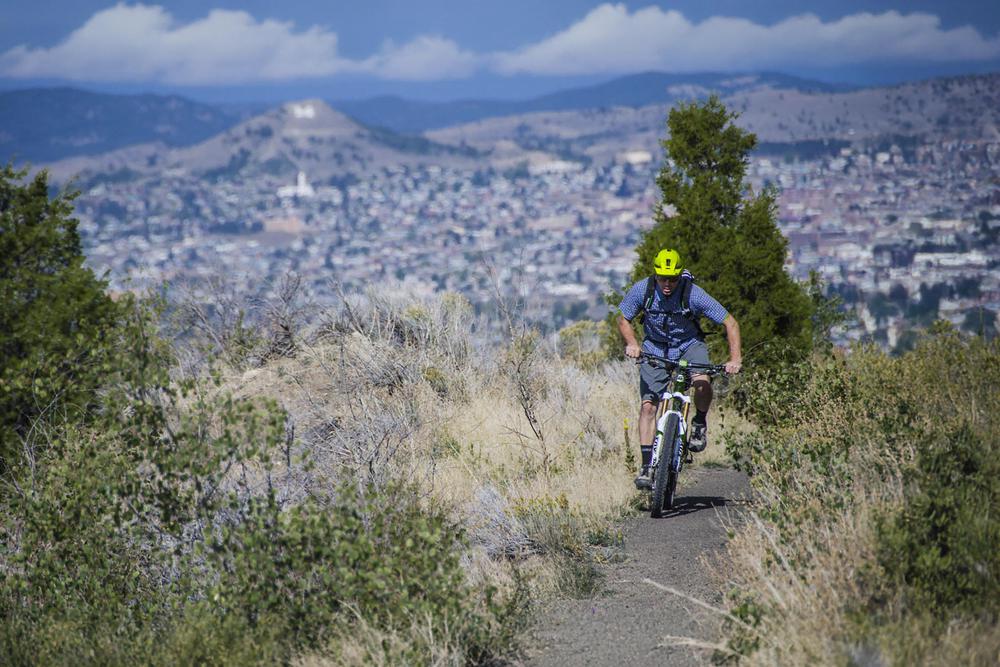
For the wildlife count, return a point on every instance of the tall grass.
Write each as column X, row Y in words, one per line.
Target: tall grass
column 876, row 535
column 384, row 483
column 518, row 440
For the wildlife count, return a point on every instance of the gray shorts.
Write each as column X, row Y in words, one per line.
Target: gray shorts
column 653, row 379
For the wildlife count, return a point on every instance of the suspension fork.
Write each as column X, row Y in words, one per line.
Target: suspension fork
column 679, row 404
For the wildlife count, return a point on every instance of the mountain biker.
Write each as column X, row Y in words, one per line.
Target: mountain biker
column 671, row 304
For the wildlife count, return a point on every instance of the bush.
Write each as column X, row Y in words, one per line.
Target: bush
column 574, row 543
column 57, row 325
column 943, row 545
column 123, row 556
column 581, row 344
column 878, row 521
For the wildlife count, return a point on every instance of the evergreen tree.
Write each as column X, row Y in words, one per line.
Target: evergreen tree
column 57, row 324
column 726, row 234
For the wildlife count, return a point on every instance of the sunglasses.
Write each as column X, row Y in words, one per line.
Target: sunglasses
column 667, row 279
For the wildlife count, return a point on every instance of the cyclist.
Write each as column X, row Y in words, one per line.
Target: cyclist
column 671, row 304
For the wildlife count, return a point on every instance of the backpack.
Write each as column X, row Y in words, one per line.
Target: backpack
column 684, row 285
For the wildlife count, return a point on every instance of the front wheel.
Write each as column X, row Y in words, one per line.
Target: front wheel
column 668, row 498
column 666, row 478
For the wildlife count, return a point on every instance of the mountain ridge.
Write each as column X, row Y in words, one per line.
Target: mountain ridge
column 48, row 124
column 44, row 124
column 633, row 90
column 779, row 109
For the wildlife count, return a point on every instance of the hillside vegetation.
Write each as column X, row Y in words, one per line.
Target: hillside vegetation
column 875, row 537
column 379, row 486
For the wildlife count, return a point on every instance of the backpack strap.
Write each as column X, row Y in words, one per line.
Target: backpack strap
column 647, row 299
column 687, row 282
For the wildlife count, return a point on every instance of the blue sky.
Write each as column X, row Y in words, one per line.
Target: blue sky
column 436, row 49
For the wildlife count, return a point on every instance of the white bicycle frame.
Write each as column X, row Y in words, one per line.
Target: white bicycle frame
column 662, row 424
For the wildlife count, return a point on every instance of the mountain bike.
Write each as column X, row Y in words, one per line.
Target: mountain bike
column 670, row 443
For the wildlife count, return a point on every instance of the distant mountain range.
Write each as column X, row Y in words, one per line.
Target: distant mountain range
column 636, row 90
column 47, row 124
column 75, row 131
column 794, row 124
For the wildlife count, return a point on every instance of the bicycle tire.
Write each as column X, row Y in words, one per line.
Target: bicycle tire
column 668, row 499
column 666, row 478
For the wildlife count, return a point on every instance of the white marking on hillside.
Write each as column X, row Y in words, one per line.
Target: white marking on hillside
column 303, row 110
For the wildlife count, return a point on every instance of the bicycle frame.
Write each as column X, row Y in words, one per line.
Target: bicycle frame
column 674, row 400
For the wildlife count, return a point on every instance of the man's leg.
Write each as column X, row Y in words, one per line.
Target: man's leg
column 652, row 383
column 702, row 395
column 647, row 427
column 697, row 353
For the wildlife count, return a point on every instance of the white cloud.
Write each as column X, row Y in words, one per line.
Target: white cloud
column 611, row 39
column 145, row 43
column 425, row 58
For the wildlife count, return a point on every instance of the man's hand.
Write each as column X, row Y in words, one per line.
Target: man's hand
column 733, row 367
column 632, row 350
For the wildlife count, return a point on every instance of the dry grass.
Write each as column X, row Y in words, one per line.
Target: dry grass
column 371, row 646
column 525, row 445
column 805, row 576
column 405, row 388
column 808, row 593
column 350, row 416
column 806, row 579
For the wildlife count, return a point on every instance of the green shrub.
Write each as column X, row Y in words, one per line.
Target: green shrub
column 58, row 327
column 582, row 343
column 943, row 545
column 910, row 441
column 99, row 580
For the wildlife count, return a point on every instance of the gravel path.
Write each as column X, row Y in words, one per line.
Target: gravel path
column 626, row 623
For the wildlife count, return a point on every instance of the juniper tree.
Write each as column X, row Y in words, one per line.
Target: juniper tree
column 56, row 320
column 726, row 234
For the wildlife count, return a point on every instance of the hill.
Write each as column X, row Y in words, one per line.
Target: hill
column 299, row 136
column 595, row 124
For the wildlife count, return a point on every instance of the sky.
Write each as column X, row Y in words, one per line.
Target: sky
column 221, row 50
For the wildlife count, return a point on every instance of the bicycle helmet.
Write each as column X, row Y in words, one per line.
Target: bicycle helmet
column 667, row 263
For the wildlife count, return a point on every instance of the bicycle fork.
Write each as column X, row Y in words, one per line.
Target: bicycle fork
column 661, row 424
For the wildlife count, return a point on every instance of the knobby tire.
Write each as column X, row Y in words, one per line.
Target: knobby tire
column 668, row 500
column 666, row 478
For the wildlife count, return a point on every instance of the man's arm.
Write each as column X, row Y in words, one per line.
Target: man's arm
column 735, row 344
column 632, row 348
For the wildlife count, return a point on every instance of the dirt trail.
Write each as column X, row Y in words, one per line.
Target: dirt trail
column 626, row 623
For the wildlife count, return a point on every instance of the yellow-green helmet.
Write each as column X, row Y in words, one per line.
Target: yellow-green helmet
column 667, row 263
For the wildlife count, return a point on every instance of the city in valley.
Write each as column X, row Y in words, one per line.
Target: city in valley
column 903, row 228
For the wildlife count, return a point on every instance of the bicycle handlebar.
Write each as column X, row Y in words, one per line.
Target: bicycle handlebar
column 707, row 369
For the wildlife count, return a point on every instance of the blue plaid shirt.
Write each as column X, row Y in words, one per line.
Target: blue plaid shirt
column 669, row 333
